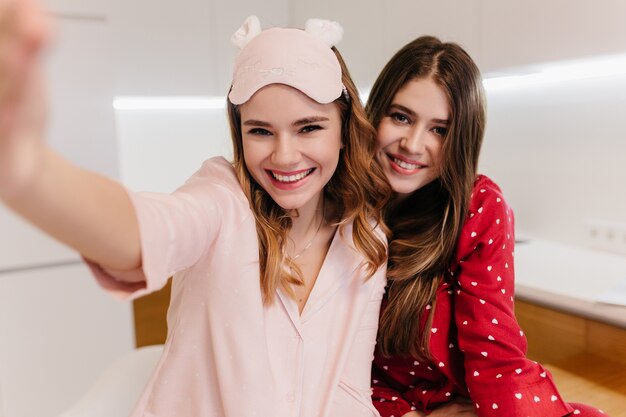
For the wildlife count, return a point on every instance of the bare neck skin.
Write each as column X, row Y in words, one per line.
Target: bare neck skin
column 305, row 222
column 310, row 240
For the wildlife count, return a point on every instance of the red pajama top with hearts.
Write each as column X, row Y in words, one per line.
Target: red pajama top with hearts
column 478, row 349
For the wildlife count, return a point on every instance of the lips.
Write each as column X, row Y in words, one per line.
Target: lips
column 293, row 177
column 405, row 166
column 288, row 180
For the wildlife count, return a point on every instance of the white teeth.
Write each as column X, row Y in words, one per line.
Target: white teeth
column 292, row 178
column 405, row 165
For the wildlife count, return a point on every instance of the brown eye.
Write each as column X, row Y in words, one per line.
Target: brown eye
column 310, row 128
column 440, row 131
column 400, row 117
column 259, row 131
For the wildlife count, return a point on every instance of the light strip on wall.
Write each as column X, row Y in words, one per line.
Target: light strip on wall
column 169, row 103
column 559, row 73
column 537, row 76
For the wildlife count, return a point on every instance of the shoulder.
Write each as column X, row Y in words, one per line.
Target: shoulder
column 215, row 178
column 489, row 217
column 485, row 191
column 487, row 202
column 219, row 171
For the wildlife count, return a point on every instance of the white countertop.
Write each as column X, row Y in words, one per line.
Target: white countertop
column 571, row 279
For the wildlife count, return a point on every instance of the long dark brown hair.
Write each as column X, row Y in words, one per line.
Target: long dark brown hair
column 426, row 225
column 357, row 191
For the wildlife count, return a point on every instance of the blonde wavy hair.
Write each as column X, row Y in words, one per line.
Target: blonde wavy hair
column 358, row 191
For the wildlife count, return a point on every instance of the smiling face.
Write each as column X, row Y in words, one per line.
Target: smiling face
column 411, row 133
column 291, row 144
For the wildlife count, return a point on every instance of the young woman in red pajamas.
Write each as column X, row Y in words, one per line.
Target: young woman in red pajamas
column 449, row 343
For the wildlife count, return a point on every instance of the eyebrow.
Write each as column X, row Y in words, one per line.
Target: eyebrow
column 299, row 122
column 412, row 113
column 308, row 120
column 256, row 123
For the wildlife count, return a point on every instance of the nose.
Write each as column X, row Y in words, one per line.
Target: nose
column 415, row 141
column 286, row 152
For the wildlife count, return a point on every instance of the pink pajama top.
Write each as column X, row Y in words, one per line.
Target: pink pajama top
column 226, row 354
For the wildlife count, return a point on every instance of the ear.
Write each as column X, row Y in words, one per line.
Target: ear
column 250, row 28
column 331, row 33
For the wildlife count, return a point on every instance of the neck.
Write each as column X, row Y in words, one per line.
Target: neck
column 307, row 219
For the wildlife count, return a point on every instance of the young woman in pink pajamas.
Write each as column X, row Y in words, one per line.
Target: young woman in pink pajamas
column 448, row 343
column 279, row 269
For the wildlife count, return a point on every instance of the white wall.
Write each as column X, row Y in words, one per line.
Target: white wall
column 559, row 150
column 521, row 32
column 59, row 333
column 76, row 9
column 160, row 149
column 559, row 153
column 375, row 30
column 183, row 47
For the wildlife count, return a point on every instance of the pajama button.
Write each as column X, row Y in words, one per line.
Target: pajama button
column 291, row 397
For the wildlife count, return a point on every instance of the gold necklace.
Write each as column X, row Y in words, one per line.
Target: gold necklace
column 308, row 245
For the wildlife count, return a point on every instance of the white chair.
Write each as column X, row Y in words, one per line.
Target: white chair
column 117, row 390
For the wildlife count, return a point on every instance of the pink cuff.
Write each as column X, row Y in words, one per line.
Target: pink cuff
column 123, row 285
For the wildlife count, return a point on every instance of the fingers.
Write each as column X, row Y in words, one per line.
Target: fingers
column 25, row 19
column 455, row 409
column 465, row 410
column 23, row 33
column 24, row 30
column 35, row 26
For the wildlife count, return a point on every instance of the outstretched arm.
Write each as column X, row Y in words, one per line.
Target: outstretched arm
column 84, row 210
